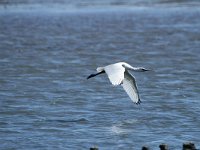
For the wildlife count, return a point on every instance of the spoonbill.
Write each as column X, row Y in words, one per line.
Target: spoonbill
column 118, row 74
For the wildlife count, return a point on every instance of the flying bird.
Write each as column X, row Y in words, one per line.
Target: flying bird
column 118, row 74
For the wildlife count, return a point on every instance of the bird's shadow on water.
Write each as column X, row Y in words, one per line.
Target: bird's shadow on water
column 125, row 119
column 123, row 127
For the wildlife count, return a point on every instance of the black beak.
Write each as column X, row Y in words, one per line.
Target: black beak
column 146, row 69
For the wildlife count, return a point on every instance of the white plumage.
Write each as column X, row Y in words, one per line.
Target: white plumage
column 115, row 73
column 118, row 75
column 130, row 87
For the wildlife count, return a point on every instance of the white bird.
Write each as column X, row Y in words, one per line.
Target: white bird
column 118, row 75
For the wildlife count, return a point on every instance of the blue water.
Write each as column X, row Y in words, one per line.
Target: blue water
column 47, row 52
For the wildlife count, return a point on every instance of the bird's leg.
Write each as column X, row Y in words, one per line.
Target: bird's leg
column 93, row 75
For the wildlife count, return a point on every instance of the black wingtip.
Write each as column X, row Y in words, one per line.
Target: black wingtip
column 138, row 102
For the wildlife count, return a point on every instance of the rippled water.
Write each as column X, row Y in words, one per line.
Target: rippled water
column 47, row 103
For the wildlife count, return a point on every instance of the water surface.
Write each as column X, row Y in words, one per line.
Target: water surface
column 45, row 57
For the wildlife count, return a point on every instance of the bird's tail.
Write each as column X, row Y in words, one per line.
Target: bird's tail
column 100, row 69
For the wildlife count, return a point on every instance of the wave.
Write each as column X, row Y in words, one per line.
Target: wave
column 71, row 5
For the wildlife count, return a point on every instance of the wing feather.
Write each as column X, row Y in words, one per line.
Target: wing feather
column 130, row 87
column 115, row 73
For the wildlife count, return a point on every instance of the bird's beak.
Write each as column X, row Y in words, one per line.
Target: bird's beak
column 147, row 69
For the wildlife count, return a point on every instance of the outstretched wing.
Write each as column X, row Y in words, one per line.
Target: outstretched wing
column 115, row 73
column 130, row 87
